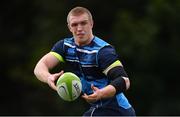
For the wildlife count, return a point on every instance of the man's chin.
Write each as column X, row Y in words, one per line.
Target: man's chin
column 80, row 36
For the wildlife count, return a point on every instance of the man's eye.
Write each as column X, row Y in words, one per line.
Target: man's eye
column 83, row 23
column 74, row 25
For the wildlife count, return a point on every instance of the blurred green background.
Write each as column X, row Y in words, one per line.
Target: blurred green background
column 145, row 34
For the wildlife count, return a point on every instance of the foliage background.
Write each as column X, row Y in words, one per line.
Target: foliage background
column 145, row 34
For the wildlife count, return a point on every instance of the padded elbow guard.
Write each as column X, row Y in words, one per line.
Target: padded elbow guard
column 116, row 74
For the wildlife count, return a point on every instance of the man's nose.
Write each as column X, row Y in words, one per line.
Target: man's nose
column 79, row 27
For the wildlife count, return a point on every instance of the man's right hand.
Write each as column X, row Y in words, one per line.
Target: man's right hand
column 52, row 78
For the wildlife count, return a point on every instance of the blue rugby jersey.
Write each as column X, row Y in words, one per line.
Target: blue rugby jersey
column 88, row 62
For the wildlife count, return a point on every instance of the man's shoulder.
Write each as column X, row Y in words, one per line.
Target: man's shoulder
column 100, row 43
column 68, row 40
column 62, row 41
column 65, row 40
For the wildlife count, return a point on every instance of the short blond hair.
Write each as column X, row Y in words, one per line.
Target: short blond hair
column 79, row 11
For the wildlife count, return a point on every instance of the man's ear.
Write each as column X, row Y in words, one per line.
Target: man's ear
column 69, row 27
column 92, row 23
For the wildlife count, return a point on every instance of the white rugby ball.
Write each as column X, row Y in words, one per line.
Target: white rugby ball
column 69, row 86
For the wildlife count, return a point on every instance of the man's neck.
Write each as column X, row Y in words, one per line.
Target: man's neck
column 85, row 42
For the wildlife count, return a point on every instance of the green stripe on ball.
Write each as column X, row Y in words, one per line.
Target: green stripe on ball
column 69, row 86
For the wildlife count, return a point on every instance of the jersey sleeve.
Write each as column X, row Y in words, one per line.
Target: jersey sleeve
column 108, row 59
column 58, row 50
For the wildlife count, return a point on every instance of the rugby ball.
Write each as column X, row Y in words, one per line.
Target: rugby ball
column 69, row 86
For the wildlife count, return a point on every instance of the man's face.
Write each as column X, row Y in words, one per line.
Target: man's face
column 81, row 28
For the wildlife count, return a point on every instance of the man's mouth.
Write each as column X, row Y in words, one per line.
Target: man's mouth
column 81, row 34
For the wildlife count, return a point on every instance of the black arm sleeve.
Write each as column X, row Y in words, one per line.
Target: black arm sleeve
column 115, row 75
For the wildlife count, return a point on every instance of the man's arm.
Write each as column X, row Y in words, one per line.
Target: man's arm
column 42, row 68
column 113, row 69
column 120, row 83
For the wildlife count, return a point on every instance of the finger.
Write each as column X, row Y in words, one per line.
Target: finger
column 84, row 96
column 88, row 98
column 92, row 85
column 92, row 96
column 52, row 85
column 59, row 74
column 94, row 88
column 97, row 93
